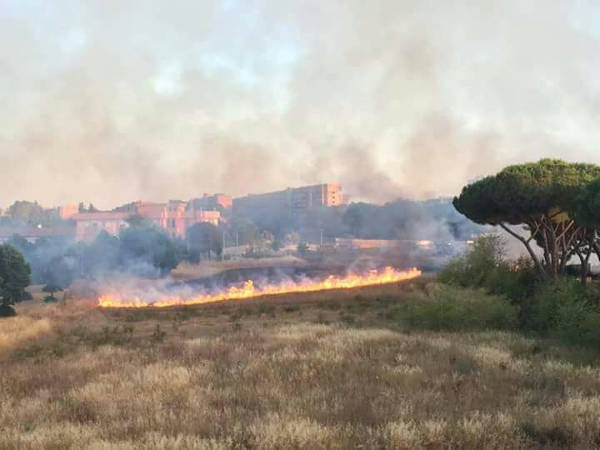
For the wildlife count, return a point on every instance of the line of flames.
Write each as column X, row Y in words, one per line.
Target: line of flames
column 248, row 290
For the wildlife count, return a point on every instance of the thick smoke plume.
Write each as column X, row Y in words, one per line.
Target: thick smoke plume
column 109, row 101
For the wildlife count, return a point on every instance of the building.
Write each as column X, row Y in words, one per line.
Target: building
column 175, row 217
column 88, row 225
column 292, row 200
column 65, row 212
column 216, row 202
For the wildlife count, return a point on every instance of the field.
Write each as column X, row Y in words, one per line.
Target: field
column 186, row 271
column 324, row 370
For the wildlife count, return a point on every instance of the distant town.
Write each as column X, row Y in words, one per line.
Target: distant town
column 85, row 223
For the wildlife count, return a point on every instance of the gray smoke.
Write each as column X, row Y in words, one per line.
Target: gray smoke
column 110, row 101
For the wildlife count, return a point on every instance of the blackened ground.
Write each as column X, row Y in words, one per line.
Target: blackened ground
column 262, row 276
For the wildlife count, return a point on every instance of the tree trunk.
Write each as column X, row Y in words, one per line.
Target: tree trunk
column 540, row 268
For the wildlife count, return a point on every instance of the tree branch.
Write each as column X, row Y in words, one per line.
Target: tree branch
column 525, row 242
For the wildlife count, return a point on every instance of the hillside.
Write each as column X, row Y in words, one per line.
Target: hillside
column 324, row 370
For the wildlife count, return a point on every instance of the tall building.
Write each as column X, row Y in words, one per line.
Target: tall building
column 292, row 199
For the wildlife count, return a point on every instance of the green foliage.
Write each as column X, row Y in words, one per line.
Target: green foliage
column 477, row 266
column 15, row 276
column 541, row 196
column 587, row 205
column 561, row 307
column 564, row 308
column 520, row 191
column 145, row 247
column 513, row 279
column 302, row 247
column 555, row 301
column 204, row 239
column 453, row 308
column 100, row 255
column 484, row 267
column 57, row 275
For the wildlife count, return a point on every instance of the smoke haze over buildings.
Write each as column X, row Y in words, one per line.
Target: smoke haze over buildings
column 110, row 101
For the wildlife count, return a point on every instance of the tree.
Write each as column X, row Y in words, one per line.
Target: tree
column 57, row 275
column 99, row 256
column 204, row 238
column 540, row 197
column 145, row 248
column 242, row 230
column 302, row 248
column 28, row 212
column 32, row 214
column 587, row 215
column 15, row 276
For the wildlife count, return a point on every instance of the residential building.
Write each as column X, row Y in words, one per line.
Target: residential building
column 292, row 199
column 175, row 217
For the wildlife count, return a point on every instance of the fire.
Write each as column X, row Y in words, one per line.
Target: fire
column 248, row 290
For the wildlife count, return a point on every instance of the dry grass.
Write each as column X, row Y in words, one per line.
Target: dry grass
column 316, row 371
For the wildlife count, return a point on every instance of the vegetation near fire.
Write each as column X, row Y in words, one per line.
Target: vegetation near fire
column 553, row 199
column 488, row 352
column 14, row 278
column 418, row 365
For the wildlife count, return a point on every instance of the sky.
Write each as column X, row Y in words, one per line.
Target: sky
column 111, row 101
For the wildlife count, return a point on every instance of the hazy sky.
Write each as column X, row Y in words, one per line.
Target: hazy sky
column 114, row 100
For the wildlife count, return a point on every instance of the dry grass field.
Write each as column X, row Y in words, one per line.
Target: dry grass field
column 322, row 370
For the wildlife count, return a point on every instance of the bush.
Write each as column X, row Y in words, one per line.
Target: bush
column 564, row 308
column 7, row 311
column 554, row 302
column 475, row 267
column 514, row 279
column 451, row 308
column 484, row 267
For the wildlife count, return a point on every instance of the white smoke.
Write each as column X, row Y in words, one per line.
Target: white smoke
column 111, row 101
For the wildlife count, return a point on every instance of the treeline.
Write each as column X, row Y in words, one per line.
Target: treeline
column 23, row 213
column 142, row 249
column 401, row 219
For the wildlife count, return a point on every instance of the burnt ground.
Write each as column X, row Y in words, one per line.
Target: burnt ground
column 261, row 276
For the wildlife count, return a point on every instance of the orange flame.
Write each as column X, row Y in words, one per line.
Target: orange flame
column 248, row 290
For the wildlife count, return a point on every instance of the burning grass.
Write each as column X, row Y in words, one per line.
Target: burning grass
column 336, row 369
column 249, row 290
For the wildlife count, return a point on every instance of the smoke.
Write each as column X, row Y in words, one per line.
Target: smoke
column 108, row 102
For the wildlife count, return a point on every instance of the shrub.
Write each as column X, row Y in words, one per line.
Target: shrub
column 554, row 302
column 484, row 267
column 475, row 267
column 564, row 308
column 7, row 311
column 513, row 279
column 451, row 308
